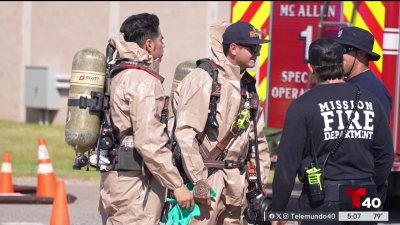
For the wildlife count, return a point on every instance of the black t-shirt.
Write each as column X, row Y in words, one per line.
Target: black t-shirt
column 369, row 82
column 315, row 121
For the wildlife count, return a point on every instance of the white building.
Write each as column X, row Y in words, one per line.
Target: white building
column 48, row 34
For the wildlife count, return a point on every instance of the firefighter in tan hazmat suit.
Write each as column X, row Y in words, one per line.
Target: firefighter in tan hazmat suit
column 137, row 99
column 191, row 101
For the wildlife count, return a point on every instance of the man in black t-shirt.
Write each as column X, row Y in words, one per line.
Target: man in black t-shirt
column 316, row 120
column 357, row 48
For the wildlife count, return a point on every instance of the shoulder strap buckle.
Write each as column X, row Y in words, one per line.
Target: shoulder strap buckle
column 95, row 103
column 97, row 99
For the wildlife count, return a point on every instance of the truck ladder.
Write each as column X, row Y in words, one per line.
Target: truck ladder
column 323, row 23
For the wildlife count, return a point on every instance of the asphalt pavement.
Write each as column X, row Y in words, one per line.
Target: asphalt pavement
column 83, row 211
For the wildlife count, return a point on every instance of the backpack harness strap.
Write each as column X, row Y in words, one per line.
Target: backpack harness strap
column 240, row 123
column 123, row 65
column 212, row 69
column 214, row 158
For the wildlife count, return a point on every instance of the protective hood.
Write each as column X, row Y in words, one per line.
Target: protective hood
column 132, row 51
column 230, row 71
column 216, row 30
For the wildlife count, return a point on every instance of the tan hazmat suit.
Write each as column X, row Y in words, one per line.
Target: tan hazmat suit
column 137, row 99
column 191, row 100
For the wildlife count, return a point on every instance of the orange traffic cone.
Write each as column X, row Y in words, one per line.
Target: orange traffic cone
column 46, row 179
column 59, row 213
column 6, row 182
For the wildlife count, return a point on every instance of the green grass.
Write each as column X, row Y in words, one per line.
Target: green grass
column 21, row 141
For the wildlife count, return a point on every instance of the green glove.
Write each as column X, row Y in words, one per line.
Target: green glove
column 179, row 216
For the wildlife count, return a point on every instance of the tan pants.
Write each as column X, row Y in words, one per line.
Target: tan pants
column 220, row 212
column 122, row 196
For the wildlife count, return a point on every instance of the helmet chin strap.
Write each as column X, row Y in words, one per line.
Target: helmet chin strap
column 352, row 66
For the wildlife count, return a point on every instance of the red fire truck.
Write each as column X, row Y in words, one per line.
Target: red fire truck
column 291, row 26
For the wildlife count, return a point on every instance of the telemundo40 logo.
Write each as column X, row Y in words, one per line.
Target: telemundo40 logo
column 359, row 198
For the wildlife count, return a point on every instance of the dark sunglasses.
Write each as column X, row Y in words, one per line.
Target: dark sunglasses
column 253, row 49
column 347, row 49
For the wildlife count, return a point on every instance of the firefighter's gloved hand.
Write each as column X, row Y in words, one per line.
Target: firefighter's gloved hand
column 184, row 198
column 201, row 192
column 179, row 216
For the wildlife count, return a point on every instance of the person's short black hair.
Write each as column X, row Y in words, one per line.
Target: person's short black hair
column 138, row 28
column 225, row 48
column 326, row 57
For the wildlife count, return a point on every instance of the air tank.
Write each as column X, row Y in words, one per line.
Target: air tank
column 87, row 76
column 181, row 70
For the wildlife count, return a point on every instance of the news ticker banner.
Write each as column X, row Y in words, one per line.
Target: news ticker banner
column 356, row 203
column 376, row 216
